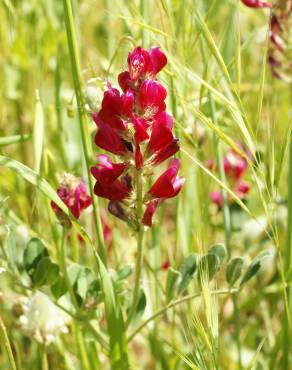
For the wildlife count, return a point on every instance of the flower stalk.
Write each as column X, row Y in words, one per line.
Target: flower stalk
column 139, row 257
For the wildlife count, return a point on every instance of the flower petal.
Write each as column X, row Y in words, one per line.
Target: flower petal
column 166, row 152
column 138, row 62
column 108, row 139
column 152, row 95
column 124, row 80
column 149, row 212
column 166, row 186
column 161, row 134
column 158, row 60
column 140, row 126
column 105, row 171
column 114, row 191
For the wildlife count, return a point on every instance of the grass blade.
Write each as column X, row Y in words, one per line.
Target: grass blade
column 38, row 133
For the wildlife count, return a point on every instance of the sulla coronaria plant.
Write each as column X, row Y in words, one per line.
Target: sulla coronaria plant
column 135, row 127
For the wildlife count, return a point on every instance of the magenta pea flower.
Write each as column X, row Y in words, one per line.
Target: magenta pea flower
column 74, row 194
column 108, row 184
column 167, row 185
column 108, row 138
column 151, row 97
column 149, row 213
column 141, row 62
column 134, row 126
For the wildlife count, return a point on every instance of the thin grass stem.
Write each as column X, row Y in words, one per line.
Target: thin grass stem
column 43, row 357
column 173, row 304
column 6, row 345
column 288, row 264
column 86, row 144
column 227, row 224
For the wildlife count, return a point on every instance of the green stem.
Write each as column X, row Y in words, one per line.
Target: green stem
column 62, row 256
column 82, row 349
column 58, row 107
column 6, row 345
column 173, row 304
column 108, row 22
column 79, row 337
column 144, row 10
column 86, row 144
column 288, row 263
column 139, row 257
column 43, row 357
column 227, row 224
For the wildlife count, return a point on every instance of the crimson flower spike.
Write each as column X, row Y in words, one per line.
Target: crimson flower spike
column 134, row 126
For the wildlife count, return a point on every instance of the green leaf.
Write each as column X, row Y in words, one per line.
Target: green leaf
column 59, row 288
column 80, row 278
column 140, row 306
column 46, row 272
column 187, row 271
column 219, row 250
column 94, row 289
column 208, row 266
column 254, row 266
column 125, row 272
column 171, row 280
column 33, row 253
column 86, row 277
column 234, row 270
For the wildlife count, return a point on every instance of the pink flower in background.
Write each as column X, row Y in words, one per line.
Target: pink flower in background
column 257, row 3
column 280, row 41
column 165, row 265
column 235, row 167
column 135, row 127
column 279, row 56
column 74, row 194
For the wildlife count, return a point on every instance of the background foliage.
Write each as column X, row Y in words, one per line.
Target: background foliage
column 222, row 95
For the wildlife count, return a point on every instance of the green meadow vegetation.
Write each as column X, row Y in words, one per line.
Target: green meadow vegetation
column 208, row 285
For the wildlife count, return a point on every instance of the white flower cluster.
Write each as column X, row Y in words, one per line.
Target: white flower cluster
column 42, row 319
